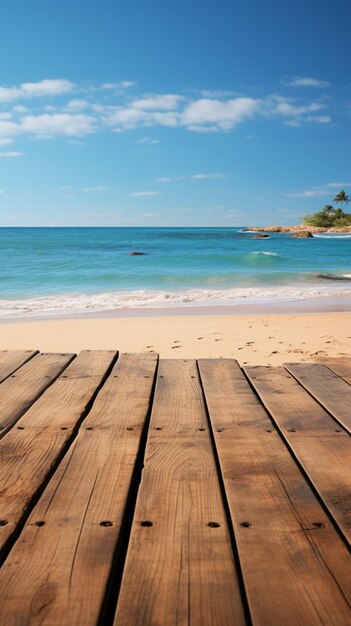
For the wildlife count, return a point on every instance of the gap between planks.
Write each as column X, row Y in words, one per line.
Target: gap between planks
column 70, row 538
column 30, row 452
column 294, row 563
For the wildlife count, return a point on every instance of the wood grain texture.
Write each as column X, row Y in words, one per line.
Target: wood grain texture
column 332, row 392
column 56, row 573
column 322, row 448
column 28, row 451
column 179, row 568
column 11, row 360
column 341, row 367
column 23, row 388
column 294, row 564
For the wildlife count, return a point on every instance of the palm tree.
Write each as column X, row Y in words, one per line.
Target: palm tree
column 328, row 209
column 338, row 214
column 342, row 197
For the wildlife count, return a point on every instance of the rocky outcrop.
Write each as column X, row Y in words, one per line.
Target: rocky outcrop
column 303, row 234
column 261, row 236
column 266, row 229
column 297, row 229
column 136, row 253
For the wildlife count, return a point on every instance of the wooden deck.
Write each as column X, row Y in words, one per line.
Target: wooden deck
column 144, row 492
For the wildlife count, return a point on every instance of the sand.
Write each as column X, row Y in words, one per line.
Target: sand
column 256, row 338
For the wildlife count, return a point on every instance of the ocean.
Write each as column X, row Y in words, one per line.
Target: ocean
column 54, row 271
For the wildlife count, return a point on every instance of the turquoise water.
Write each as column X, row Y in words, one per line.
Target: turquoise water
column 53, row 270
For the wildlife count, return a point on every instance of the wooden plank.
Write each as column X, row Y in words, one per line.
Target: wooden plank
column 28, row 452
column 327, row 388
column 179, row 567
column 340, row 366
column 56, row 573
column 22, row 389
column 322, row 448
column 11, row 360
column 294, row 564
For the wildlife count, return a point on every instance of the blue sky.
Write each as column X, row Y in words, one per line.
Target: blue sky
column 172, row 113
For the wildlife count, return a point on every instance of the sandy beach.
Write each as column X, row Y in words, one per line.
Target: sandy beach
column 251, row 338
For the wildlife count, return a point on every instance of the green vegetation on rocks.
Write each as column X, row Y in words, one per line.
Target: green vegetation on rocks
column 329, row 216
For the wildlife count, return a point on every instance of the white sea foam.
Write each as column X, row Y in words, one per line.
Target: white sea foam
column 66, row 304
column 265, row 253
column 334, row 236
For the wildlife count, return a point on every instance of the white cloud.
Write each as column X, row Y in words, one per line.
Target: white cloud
column 337, row 185
column 217, row 93
column 203, row 129
column 298, row 114
column 77, row 104
column 9, row 129
column 157, row 102
column 164, row 119
column 168, row 179
column 140, row 194
column 318, row 119
column 6, row 141
column 19, row 108
column 10, row 155
column 319, row 190
column 206, row 176
column 292, row 110
column 98, row 188
column 124, row 84
column 310, row 193
column 148, row 140
column 293, row 123
column 225, row 115
column 107, row 109
column 46, row 87
column 305, row 81
column 48, row 126
column 206, row 115
column 128, row 118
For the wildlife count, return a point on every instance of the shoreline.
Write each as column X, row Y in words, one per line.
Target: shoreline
column 266, row 324
column 337, row 230
column 317, row 304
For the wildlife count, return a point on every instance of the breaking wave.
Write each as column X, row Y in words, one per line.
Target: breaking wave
column 333, row 236
column 265, row 253
column 335, row 276
column 80, row 304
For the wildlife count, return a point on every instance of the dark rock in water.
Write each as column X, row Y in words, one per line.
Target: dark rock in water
column 136, row 253
column 335, row 276
column 302, row 234
column 261, row 236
